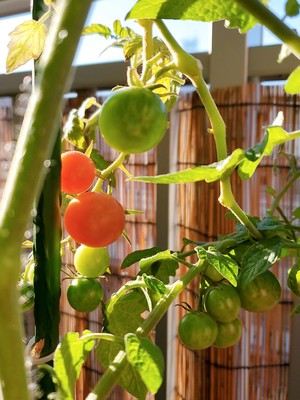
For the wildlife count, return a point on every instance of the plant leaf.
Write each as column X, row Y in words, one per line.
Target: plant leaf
column 162, row 265
column 197, row 10
column 259, row 257
column 293, row 280
column 130, row 379
column 209, row 173
column 292, row 8
column 68, row 359
column 222, row 263
column 147, row 359
column 101, row 30
column 26, row 42
column 137, row 255
column 292, row 85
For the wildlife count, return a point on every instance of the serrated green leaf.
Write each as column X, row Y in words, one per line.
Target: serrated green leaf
column 26, row 43
column 197, row 10
column 254, row 153
column 73, row 130
column 209, row 173
column 259, row 257
column 137, row 255
column 101, row 30
column 69, row 356
column 296, row 212
column 86, row 104
column 292, row 85
column 154, row 284
column 147, row 359
column 292, row 8
column 270, row 223
column 162, row 265
column 275, row 136
column 124, row 314
column 130, row 379
column 293, row 280
column 222, row 263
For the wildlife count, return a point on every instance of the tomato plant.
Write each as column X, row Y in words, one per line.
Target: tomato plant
column 261, row 294
column 133, row 120
column 228, row 334
column 77, row 172
column 222, row 302
column 213, row 274
column 84, row 294
column 94, row 219
column 91, row 261
column 197, row 331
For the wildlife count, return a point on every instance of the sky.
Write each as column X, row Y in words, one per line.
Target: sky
column 193, row 36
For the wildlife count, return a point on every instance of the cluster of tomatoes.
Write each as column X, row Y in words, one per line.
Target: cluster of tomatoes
column 92, row 219
column 218, row 323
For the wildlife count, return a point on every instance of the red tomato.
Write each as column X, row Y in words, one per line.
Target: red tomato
column 94, row 219
column 77, row 172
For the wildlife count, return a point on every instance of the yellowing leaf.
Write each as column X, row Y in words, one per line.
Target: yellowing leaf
column 26, row 43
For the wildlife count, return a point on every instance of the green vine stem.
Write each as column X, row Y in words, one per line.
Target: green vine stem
column 283, row 191
column 112, row 373
column 191, row 67
column 266, row 18
column 24, row 182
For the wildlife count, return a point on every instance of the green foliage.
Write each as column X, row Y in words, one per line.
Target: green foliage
column 292, row 8
column 293, row 280
column 68, row 360
column 197, row 10
column 222, row 263
column 161, row 265
column 292, row 85
column 147, row 359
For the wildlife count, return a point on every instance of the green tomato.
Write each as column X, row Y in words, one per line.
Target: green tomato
column 26, row 295
column 133, row 120
column 228, row 334
column 91, row 261
column 213, row 274
column 84, row 294
column 261, row 294
column 197, row 331
column 222, row 302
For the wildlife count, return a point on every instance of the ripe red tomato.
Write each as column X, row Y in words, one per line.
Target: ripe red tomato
column 133, row 120
column 228, row 334
column 197, row 331
column 84, row 294
column 94, row 219
column 77, row 172
column 222, row 302
column 261, row 294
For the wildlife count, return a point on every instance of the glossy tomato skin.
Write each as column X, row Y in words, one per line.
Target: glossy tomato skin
column 84, row 294
column 213, row 274
column 222, row 302
column 197, row 331
column 133, row 120
column 261, row 294
column 77, row 172
column 228, row 334
column 94, row 219
column 91, row 261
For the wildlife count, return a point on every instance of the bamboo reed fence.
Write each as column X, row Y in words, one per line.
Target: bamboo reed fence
column 256, row 368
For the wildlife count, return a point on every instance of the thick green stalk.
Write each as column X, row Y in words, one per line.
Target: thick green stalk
column 192, row 68
column 266, row 18
column 111, row 375
column 26, row 175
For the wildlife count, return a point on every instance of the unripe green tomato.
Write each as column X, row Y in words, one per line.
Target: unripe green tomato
column 133, row 120
column 197, row 331
column 84, row 294
column 261, row 294
column 222, row 302
column 228, row 334
column 213, row 274
column 91, row 261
